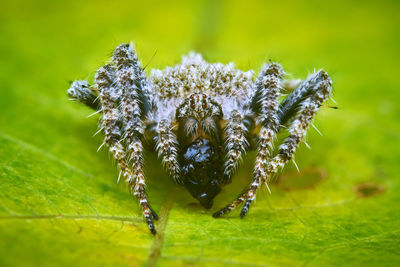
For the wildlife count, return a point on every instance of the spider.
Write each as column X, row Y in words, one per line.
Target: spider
column 200, row 118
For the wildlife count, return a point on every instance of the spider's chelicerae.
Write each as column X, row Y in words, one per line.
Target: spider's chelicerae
column 200, row 118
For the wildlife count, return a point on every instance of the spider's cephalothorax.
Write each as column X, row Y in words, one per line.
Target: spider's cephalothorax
column 200, row 118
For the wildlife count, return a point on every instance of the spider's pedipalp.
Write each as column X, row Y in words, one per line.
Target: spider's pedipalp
column 191, row 126
column 167, row 149
column 235, row 144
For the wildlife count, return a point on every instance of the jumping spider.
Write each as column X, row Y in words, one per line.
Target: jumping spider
column 200, row 118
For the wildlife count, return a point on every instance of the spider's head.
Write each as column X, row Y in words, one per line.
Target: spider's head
column 201, row 156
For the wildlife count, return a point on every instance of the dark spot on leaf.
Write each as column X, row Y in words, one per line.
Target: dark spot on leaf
column 305, row 179
column 369, row 189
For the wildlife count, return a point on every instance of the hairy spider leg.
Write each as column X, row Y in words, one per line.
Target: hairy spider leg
column 113, row 132
column 266, row 104
column 131, row 80
column 318, row 87
column 236, row 143
column 167, row 149
column 82, row 92
column 136, row 103
column 320, row 84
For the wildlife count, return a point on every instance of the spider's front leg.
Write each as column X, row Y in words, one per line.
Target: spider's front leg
column 131, row 80
column 266, row 104
column 113, row 132
column 300, row 107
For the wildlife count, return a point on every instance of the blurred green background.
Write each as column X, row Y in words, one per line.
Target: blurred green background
column 59, row 201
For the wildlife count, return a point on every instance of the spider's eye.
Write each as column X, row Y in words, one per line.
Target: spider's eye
column 204, row 104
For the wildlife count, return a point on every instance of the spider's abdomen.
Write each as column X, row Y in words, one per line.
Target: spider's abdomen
column 194, row 74
column 201, row 164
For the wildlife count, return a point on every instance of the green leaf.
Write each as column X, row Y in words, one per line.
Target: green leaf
column 59, row 200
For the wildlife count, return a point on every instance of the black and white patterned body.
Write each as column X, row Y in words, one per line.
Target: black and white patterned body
column 200, row 118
